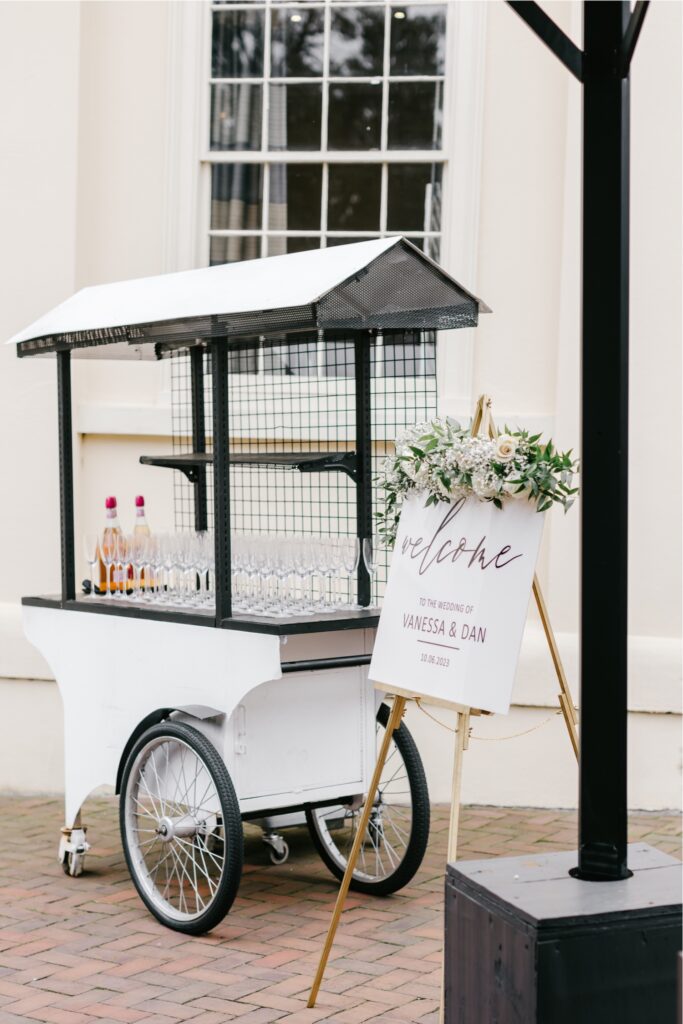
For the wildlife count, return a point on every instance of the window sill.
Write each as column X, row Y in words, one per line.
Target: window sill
column 123, row 418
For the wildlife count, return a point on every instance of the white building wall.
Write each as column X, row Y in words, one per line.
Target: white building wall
column 86, row 150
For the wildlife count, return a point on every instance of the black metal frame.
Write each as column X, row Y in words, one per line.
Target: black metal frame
column 363, row 459
column 66, row 476
column 198, row 436
column 611, row 32
column 357, row 465
column 221, row 479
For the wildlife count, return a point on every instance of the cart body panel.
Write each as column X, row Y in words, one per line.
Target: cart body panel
column 113, row 671
column 317, row 728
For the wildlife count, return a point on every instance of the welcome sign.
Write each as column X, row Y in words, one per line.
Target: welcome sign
column 456, row 600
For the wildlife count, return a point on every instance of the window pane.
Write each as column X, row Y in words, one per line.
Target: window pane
column 242, row 360
column 297, row 42
column 417, row 40
column 432, row 248
column 297, row 360
column 415, row 115
column 357, row 41
column 355, row 116
column 233, row 249
column 295, row 116
column 236, row 116
column 278, row 244
column 295, row 192
column 403, row 356
column 345, row 240
column 354, row 191
column 413, row 197
column 237, row 44
column 236, row 191
column 339, row 359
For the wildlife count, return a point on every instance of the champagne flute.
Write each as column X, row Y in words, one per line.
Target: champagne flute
column 138, row 554
column 370, row 552
column 108, row 551
column 91, row 550
column 201, row 564
column 350, row 559
column 122, row 560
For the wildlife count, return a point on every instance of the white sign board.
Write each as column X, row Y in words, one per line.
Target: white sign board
column 456, row 600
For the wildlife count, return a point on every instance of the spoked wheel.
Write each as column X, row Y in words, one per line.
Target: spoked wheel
column 397, row 834
column 181, row 828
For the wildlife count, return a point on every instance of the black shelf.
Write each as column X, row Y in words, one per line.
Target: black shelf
column 126, row 609
column 367, row 618
column 327, row 623
column 306, row 462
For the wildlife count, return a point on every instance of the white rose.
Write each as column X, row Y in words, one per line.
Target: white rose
column 506, row 446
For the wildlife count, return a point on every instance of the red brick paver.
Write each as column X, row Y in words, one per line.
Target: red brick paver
column 85, row 950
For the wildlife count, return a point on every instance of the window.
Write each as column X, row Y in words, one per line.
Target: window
column 325, row 125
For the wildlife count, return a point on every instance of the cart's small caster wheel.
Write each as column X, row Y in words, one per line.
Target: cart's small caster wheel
column 72, row 864
column 279, row 856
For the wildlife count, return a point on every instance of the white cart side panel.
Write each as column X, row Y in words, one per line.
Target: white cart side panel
column 113, row 671
column 303, row 738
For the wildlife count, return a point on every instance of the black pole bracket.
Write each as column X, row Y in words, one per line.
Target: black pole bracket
column 551, row 34
column 631, row 35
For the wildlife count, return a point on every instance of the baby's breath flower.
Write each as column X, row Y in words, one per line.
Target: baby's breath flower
column 442, row 460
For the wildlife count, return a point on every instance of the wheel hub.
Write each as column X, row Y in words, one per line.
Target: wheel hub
column 171, row 828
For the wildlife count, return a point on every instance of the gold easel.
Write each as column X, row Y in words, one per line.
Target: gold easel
column 481, row 422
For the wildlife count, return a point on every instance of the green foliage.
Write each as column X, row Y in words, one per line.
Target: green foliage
column 442, row 460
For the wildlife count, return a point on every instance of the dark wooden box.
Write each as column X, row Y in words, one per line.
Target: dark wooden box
column 528, row 944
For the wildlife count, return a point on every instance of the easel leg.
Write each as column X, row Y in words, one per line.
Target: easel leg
column 566, row 702
column 462, row 737
column 461, row 744
column 393, row 724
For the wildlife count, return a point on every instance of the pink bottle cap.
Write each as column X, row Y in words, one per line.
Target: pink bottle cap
column 110, row 503
column 139, row 501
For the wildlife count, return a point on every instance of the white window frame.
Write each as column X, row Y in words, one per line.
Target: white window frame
column 186, row 198
column 267, row 157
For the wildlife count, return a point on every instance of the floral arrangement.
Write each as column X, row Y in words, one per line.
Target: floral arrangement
column 444, row 461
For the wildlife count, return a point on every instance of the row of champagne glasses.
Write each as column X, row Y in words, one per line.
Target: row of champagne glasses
column 166, row 568
column 276, row 576
column 282, row 576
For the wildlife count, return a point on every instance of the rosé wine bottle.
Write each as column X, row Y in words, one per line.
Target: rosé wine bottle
column 109, row 576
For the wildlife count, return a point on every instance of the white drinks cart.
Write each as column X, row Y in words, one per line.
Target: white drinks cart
column 293, row 374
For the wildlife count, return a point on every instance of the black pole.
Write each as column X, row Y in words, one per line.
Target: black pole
column 363, row 459
column 66, row 475
column 221, row 478
column 604, row 462
column 198, row 435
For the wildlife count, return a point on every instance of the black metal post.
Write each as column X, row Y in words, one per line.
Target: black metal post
column 66, row 476
column 363, row 458
column 604, row 463
column 198, row 436
column 221, row 478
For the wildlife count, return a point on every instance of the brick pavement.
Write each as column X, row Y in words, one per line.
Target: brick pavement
column 85, row 951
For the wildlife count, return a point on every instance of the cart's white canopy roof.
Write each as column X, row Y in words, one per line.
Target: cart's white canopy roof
column 384, row 283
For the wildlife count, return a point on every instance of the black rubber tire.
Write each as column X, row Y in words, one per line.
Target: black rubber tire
column 232, row 827
column 419, row 833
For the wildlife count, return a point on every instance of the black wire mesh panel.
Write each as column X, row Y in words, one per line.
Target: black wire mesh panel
column 397, row 291
column 290, row 399
column 403, row 393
